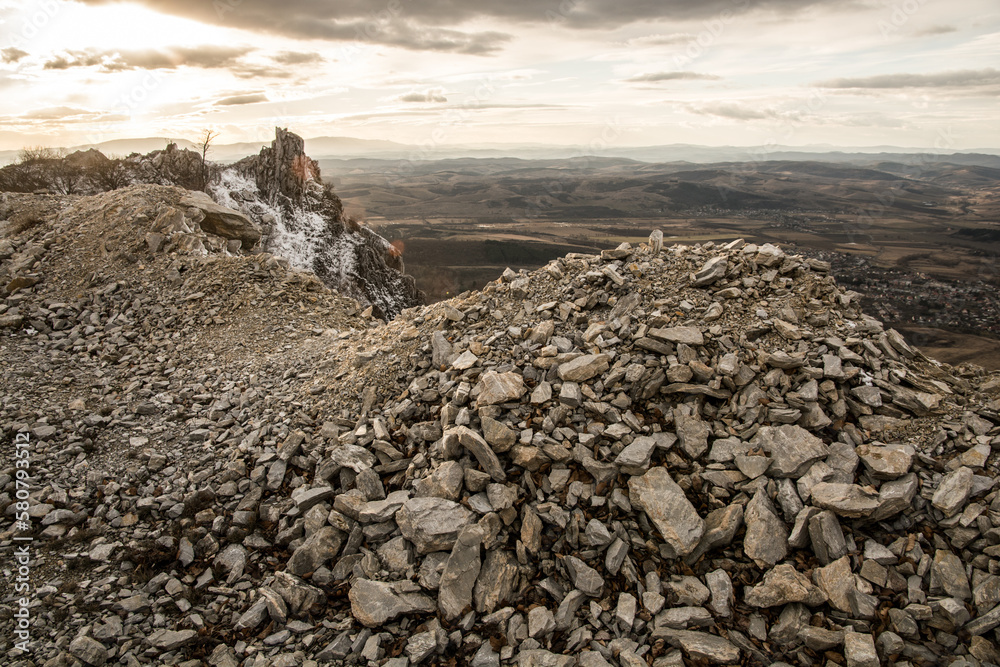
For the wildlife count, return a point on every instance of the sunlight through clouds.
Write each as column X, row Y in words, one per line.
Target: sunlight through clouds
column 679, row 71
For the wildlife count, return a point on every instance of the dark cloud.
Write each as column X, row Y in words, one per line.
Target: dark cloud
column 236, row 100
column 296, row 58
column 969, row 78
column 655, row 77
column 427, row 24
column 207, row 57
column 436, row 96
column 12, row 54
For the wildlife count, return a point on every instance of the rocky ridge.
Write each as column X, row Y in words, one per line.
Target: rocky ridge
column 303, row 220
column 655, row 456
column 278, row 198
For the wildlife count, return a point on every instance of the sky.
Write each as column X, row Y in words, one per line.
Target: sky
column 588, row 73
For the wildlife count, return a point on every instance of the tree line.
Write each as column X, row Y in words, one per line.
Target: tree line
column 39, row 169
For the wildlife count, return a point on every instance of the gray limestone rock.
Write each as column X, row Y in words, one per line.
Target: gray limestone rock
column 583, row 368
column 498, row 580
column 712, row 270
column 321, row 547
column 541, row 622
column 374, row 603
column 669, row 509
column 89, row 651
column 721, row 526
column 495, row 388
column 446, row 482
column 432, row 524
column 499, row 436
column 886, row 462
column 693, row 434
column 481, row 450
column 766, row 540
column 837, row 582
column 849, row 500
column 685, row 335
column 859, row 650
column 953, row 491
column 701, row 645
column 948, row 575
column 171, row 640
column 783, row 584
column 792, row 448
column 460, row 573
column 584, row 577
column 896, row 496
column 636, row 457
column 721, row 587
column 826, row 536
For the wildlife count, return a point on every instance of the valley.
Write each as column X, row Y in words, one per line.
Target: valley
column 920, row 239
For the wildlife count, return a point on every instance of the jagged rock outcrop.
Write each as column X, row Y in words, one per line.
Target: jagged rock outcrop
column 304, row 221
column 284, row 174
column 171, row 166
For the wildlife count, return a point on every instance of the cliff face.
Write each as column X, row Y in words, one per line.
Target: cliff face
column 303, row 220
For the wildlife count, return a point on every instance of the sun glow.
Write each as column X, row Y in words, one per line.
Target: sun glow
column 70, row 25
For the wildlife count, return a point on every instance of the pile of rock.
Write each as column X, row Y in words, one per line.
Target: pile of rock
column 649, row 457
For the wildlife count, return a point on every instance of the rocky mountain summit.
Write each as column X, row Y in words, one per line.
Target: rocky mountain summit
column 653, row 456
column 278, row 197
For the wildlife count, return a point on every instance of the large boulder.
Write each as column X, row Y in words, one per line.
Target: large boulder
column 222, row 221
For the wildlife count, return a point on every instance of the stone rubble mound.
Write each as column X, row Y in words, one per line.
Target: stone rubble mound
column 652, row 456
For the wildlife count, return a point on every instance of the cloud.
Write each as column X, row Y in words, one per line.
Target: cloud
column 236, row 100
column 969, row 78
column 733, row 111
column 660, row 40
column 55, row 113
column 207, row 57
column 655, row 77
column 12, row 54
column 244, row 70
column 436, row 95
column 296, row 58
column 430, row 24
column 937, row 30
column 62, row 114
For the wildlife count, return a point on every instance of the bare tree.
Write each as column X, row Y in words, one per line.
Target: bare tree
column 207, row 137
column 66, row 175
column 37, row 154
column 33, row 170
column 111, row 174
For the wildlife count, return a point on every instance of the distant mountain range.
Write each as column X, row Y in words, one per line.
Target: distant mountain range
column 348, row 147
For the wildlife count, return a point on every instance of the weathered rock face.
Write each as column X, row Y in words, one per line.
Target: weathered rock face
column 170, row 166
column 304, row 221
column 284, row 174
